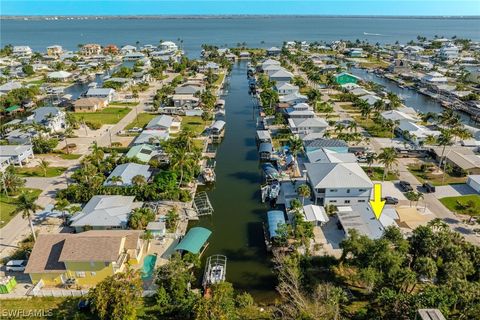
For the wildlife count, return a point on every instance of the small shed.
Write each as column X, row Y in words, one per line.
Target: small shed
column 263, row 136
column 265, row 151
column 217, row 127
column 157, row 228
column 193, row 242
column 315, row 214
column 275, row 219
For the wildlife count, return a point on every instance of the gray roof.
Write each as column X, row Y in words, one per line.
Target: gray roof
column 41, row 114
column 362, row 219
column 264, row 135
column 309, row 122
column 282, row 74
column 146, row 135
column 186, row 90
column 127, row 171
column 292, row 97
column 13, row 150
column 105, row 211
column 162, row 121
column 326, row 156
column 218, row 125
column 10, row 86
column 265, row 147
column 100, row 91
column 337, row 175
column 326, row 143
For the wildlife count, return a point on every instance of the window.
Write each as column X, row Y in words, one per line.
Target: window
column 361, row 200
column 80, row 274
column 93, row 273
column 348, row 190
column 347, row 201
column 332, row 201
column 333, row 190
column 362, row 190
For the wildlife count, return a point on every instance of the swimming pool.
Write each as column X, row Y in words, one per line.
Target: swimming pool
column 148, row 266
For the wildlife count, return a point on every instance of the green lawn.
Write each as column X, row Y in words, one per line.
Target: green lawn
column 372, row 127
column 455, row 203
column 53, row 308
column 376, row 174
column 124, row 104
column 38, row 172
column 143, row 119
column 69, row 156
column 221, row 76
column 8, row 205
column 435, row 179
column 109, row 115
column 196, row 124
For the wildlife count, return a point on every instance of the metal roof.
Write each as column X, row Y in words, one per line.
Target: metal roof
column 275, row 218
column 194, row 240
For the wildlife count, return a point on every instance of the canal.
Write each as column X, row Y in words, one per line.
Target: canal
column 412, row 99
column 236, row 224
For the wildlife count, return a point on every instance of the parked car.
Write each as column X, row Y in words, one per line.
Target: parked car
column 16, row 265
column 405, row 186
column 390, row 200
column 429, row 188
column 135, row 129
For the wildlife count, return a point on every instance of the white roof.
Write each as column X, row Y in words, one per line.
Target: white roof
column 328, row 156
column 59, row 74
column 337, row 175
column 282, row 74
column 104, row 211
column 162, row 121
column 100, row 91
column 127, row 171
column 474, row 178
column 315, row 213
column 6, row 87
column 307, row 123
column 397, row 115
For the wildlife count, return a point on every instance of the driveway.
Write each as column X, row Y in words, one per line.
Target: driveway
column 453, row 190
column 389, row 188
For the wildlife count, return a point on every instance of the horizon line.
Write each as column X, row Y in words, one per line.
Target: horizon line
column 236, row 15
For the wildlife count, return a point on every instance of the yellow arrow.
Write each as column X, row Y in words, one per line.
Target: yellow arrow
column 377, row 203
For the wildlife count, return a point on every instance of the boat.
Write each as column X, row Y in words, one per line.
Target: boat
column 215, row 270
column 208, row 175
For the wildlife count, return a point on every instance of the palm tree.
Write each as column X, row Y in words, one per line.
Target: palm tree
column 371, row 157
column 365, row 109
column 27, row 206
column 352, row 126
column 388, row 157
column 304, row 192
column 139, row 180
column 295, row 145
column 444, row 139
column 11, row 182
column 148, row 236
column 116, row 180
column 43, row 164
column 97, row 153
column 395, row 101
column 339, row 128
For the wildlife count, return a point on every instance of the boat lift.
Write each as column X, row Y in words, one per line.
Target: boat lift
column 202, row 204
column 215, row 270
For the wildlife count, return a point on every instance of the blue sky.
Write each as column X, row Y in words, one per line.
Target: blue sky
column 215, row 7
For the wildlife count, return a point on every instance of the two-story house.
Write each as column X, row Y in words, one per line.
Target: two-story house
column 51, row 117
column 83, row 259
column 340, row 184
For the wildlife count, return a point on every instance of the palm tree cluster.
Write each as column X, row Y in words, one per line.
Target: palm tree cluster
column 10, row 182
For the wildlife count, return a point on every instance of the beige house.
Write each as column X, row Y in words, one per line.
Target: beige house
column 89, row 104
column 91, row 49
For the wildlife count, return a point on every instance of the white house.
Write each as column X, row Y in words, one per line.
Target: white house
column 361, row 219
column 51, row 117
column 281, row 75
column 448, row 52
column 434, row 78
column 17, row 154
column 22, row 51
column 106, row 93
column 164, row 123
column 59, row 75
column 128, row 49
column 416, row 133
column 126, row 172
column 339, row 183
column 305, row 126
column 287, row 88
column 293, row 98
column 474, row 182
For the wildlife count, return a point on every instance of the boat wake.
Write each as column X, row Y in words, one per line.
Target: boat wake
column 372, row 34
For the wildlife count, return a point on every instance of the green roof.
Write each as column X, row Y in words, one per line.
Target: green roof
column 12, row 108
column 143, row 152
column 194, row 240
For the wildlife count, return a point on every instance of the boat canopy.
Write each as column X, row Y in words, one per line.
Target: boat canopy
column 218, row 125
column 275, row 219
column 270, row 171
column 194, row 240
column 264, row 135
column 265, row 147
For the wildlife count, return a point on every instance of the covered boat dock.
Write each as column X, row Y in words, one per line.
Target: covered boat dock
column 195, row 241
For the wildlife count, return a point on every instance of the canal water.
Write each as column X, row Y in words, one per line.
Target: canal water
column 236, row 224
column 412, row 99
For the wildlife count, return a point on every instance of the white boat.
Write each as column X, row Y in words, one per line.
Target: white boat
column 215, row 270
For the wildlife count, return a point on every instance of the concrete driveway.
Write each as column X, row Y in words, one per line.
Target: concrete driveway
column 453, row 190
column 390, row 189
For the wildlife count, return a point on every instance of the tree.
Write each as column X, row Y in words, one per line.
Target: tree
column 116, row 180
column 139, row 180
column 304, row 192
column 371, row 157
column 171, row 219
column 140, row 217
column 28, row 70
column 65, row 207
column 118, row 296
column 10, row 181
column 444, row 140
column 220, row 304
column 295, row 146
column 27, row 206
column 43, row 164
column 388, row 157
column 395, row 101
